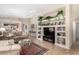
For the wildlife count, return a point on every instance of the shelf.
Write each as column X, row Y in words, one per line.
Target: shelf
column 61, row 25
column 63, row 46
column 61, row 36
column 55, row 22
column 60, row 31
column 51, row 25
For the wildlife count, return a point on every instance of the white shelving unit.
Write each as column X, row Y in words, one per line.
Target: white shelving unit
column 62, row 37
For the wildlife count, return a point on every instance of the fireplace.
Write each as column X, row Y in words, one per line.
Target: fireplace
column 49, row 34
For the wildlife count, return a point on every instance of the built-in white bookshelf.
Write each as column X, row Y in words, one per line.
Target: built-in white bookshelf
column 60, row 33
column 60, row 30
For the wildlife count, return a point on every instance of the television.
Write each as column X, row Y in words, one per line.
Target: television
column 47, row 31
column 49, row 34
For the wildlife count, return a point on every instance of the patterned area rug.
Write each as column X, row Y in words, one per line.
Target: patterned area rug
column 32, row 49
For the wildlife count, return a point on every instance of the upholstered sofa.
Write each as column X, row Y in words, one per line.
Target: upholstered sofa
column 7, row 47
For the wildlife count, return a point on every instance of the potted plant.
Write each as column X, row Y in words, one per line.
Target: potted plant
column 60, row 15
column 48, row 18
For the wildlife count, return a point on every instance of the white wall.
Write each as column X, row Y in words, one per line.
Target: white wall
column 75, row 18
column 27, row 22
column 73, row 15
column 34, row 21
column 10, row 20
column 75, row 11
column 68, row 26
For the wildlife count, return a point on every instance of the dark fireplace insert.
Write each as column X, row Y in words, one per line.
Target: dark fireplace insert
column 49, row 34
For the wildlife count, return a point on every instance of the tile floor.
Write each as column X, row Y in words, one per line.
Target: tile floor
column 55, row 50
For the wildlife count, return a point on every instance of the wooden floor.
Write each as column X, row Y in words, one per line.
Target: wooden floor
column 55, row 50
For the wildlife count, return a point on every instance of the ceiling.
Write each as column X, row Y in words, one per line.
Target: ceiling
column 26, row 10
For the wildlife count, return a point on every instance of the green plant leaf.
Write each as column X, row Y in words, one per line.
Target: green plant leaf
column 40, row 18
column 48, row 17
column 60, row 12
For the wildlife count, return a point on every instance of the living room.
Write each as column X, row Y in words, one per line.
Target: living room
column 38, row 29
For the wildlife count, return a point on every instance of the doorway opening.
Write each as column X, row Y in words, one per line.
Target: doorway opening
column 76, row 32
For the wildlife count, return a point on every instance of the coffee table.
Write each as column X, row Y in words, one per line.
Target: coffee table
column 25, row 41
